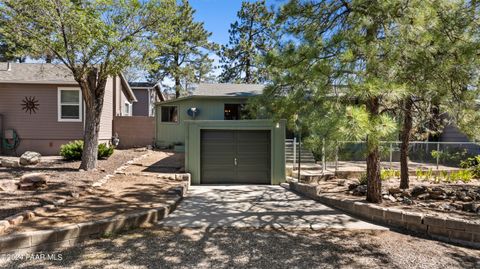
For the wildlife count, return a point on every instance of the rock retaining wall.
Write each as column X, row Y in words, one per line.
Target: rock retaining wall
column 48, row 240
column 458, row 231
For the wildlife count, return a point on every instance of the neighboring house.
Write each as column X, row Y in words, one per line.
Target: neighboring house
column 42, row 104
column 147, row 95
column 220, row 146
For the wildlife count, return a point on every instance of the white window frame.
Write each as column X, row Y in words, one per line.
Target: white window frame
column 59, row 104
column 130, row 109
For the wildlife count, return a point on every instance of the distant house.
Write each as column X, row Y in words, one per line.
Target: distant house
column 222, row 145
column 41, row 107
column 147, row 95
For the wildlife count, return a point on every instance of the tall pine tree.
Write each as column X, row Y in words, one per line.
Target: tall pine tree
column 251, row 37
column 180, row 47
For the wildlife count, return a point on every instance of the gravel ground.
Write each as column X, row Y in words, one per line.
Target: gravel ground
column 247, row 248
column 64, row 178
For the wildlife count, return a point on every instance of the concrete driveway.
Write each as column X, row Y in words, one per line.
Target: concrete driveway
column 257, row 206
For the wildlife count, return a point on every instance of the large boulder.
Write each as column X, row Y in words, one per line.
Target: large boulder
column 30, row 158
column 32, row 181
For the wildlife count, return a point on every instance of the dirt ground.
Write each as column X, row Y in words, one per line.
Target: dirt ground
column 121, row 194
column 258, row 248
column 63, row 179
column 339, row 188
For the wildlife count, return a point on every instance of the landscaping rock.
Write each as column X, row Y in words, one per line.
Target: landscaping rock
column 418, row 190
column 10, row 163
column 352, row 186
column 394, row 191
column 360, row 190
column 32, row 181
column 8, row 185
column 423, row 196
column 471, row 207
column 437, row 193
column 30, row 158
column 407, row 201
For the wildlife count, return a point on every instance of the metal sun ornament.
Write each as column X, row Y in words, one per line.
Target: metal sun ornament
column 30, row 104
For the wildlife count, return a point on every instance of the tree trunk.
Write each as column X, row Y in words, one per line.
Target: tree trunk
column 374, row 183
column 90, row 141
column 178, row 87
column 93, row 91
column 405, row 137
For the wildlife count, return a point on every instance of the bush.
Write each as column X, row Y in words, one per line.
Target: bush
column 73, row 151
column 473, row 165
column 104, row 151
column 363, row 179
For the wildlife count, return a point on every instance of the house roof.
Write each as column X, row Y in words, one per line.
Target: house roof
column 44, row 73
column 222, row 90
column 35, row 73
column 228, row 89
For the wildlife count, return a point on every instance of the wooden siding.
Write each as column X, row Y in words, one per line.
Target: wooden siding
column 41, row 131
column 106, row 120
column 210, row 109
column 141, row 107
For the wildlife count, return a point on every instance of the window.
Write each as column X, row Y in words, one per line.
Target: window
column 127, row 109
column 169, row 114
column 234, row 111
column 69, row 104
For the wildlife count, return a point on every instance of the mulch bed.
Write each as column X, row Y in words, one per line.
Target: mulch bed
column 64, row 178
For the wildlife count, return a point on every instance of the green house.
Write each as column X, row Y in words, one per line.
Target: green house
column 221, row 147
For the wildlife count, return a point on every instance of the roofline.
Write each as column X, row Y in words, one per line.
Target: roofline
column 38, row 82
column 129, row 91
column 132, row 97
column 202, row 97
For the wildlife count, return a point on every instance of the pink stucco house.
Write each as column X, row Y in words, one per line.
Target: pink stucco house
column 41, row 107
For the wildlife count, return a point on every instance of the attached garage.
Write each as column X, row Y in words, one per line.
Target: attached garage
column 235, row 156
column 235, row 152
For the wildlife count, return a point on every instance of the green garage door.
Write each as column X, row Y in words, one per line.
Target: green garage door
column 235, row 157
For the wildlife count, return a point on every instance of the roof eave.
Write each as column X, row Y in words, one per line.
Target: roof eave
column 203, row 97
column 131, row 96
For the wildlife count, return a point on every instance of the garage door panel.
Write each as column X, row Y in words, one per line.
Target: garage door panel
column 220, row 148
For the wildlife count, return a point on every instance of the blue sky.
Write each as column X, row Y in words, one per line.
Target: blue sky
column 219, row 14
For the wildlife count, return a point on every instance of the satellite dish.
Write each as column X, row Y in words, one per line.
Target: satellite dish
column 193, row 112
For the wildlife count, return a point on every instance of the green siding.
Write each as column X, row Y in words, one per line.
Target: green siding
column 277, row 132
column 210, row 109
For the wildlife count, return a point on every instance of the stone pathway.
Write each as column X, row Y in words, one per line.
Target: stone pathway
column 254, row 206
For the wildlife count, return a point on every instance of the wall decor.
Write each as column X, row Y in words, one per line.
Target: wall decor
column 30, row 104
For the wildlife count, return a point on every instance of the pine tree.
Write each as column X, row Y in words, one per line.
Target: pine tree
column 180, row 47
column 251, row 37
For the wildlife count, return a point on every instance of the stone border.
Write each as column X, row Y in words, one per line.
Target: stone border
column 68, row 236
column 23, row 216
column 449, row 230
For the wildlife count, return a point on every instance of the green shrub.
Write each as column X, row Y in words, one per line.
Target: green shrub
column 473, row 165
column 104, row 151
column 363, row 179
column 73, row 151
column 386, row 174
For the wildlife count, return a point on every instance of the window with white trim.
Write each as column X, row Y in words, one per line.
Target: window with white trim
column 69, row 104
column 127, row 109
